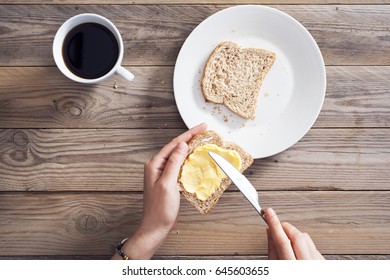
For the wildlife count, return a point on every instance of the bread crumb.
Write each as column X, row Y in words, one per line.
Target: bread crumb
column 266, row 94
column 177, row 232
column 217, row 110
column 243, row 124
column 115, row 86
column 163, row 82
column 225, row 118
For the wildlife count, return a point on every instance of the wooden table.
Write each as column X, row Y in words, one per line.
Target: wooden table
column 72, row 155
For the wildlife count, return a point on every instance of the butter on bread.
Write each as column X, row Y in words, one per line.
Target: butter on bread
column 211, row 137
column 233, row 76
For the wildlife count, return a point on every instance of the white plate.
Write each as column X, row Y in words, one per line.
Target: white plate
column 292, row 93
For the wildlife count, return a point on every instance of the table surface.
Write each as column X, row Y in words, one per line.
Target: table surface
column 72, row 155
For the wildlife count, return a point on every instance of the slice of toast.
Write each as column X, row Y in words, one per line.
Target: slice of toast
column 233, row 76
column 211, row 137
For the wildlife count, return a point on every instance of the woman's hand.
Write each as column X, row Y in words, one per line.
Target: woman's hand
column 161, row 197
column 161, row 190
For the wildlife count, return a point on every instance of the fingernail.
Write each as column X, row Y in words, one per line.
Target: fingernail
column 270, row 212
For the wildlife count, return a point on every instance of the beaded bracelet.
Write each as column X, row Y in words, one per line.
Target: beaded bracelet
column 119, row 249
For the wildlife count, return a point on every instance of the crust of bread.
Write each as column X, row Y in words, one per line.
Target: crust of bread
column 233, row 76
column 211, row 137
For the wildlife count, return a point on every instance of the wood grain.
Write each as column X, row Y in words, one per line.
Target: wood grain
column 91, row 223
column 44, row 98
column 356, row 97
column 194, row 257
column 154, row 34
column 71, row 155
column 190, row 2
column 41, row 97
column 112, row 160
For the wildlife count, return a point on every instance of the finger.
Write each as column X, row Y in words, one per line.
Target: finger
column 159, row 160
column 272, row 254
column 155, row 166
column 279, row 237
column 298, row 242
column 172, row 168
column 166, row 151
column 315, row 254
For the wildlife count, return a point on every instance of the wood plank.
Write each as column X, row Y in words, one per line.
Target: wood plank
column 195, row 257
column 357, row 96
column 189, row 2
column 91, row 223
column 112, row 160
column 264, row 257
column 153, row 34
column 44, row 98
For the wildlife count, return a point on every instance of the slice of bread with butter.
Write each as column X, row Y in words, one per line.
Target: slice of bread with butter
column 201, row 181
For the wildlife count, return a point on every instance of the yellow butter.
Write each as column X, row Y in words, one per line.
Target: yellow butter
column 201, row 175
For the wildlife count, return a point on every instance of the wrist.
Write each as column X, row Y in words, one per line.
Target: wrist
column 142, row 244
column 154, row 234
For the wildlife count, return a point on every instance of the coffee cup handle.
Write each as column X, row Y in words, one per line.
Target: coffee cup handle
column 125, row 73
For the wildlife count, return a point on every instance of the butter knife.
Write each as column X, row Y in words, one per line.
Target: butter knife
column 241, row 182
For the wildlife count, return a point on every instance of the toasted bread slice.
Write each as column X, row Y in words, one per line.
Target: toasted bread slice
column 233, row 76
column 211, row 137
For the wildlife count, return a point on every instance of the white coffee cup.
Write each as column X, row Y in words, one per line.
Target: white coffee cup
column 71, row 23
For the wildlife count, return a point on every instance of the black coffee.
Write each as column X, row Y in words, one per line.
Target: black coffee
column 90, row 50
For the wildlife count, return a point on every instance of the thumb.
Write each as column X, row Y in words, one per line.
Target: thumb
column 174, row 163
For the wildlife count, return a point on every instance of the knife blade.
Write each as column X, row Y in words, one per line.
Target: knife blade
column 241, row 182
